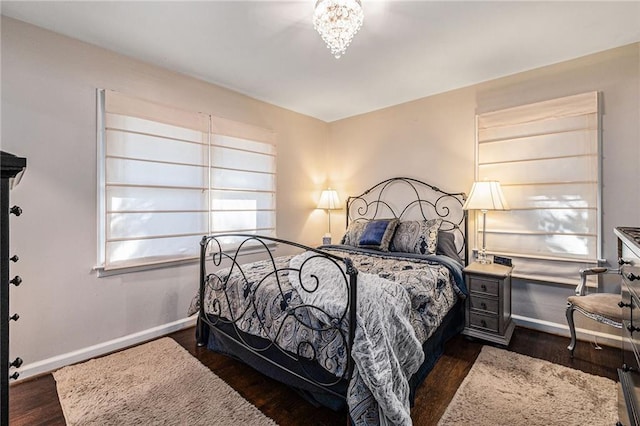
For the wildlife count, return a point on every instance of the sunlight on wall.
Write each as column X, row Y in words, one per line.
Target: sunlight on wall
column 566, row 214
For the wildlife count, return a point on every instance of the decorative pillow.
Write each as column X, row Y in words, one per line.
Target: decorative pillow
column 378, row 234
column 447, row 245
column 354, row 231
column 417, row 236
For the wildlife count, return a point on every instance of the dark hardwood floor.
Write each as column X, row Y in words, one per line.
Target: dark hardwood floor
column 35, row 401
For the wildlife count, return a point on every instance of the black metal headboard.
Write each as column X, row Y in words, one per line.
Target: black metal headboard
column 411, row 199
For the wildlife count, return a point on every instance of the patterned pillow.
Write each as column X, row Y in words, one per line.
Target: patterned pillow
column 417, row 236
column 378, row 234
column 354, row 231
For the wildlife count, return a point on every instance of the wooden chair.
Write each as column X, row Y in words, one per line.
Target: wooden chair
column 604, row 308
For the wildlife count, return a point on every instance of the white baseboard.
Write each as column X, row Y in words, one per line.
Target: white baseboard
column 56, row 362
column 563, row 330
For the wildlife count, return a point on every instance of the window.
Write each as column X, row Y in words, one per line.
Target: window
column 547, row 158
column 167, row 177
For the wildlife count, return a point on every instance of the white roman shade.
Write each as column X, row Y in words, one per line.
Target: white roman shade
column 546, row 156
column 168, row 176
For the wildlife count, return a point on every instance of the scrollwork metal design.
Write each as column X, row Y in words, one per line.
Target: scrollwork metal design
column 218, row 304
column 428, row 200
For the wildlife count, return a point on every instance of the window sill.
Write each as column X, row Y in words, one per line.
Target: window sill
column 101, row 272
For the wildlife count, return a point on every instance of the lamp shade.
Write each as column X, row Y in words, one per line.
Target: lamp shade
column 486, row 195
column 329, row 200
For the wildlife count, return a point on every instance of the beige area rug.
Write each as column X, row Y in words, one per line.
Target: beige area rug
column 157, row 383
column 506, row 388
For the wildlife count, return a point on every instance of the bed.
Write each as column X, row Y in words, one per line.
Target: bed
column 396, row 275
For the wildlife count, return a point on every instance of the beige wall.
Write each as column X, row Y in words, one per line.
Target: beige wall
column 429, row 139
column 48, row 115
column 433, row 139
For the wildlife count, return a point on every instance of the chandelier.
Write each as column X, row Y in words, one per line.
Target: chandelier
column 337, row 21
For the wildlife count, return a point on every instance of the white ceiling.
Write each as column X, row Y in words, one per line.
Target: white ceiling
column 405, row 50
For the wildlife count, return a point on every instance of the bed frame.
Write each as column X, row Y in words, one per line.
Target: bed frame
column 300, row 370
column 425, row 202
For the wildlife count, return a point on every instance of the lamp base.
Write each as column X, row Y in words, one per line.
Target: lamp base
column 326, row 240
column 483, row 259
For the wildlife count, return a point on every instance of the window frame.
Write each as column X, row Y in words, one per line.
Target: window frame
column 561, row 269
column 215, row 126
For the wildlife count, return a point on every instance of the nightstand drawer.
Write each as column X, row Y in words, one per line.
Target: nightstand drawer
column 486, row 322
column 485, row 304
column 486, row 286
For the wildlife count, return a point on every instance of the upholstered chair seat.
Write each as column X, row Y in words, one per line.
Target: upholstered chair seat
column 601, row 307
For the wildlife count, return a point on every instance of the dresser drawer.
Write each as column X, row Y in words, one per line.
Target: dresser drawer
column 630, row 283
column 631, row 275
column 486, row 322
column 629, row 254
column 485, row 286
column 484, row 304
column 631, row 357
column 631, row 303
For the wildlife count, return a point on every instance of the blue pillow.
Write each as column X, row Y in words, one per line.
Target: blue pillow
column 354, row 231
column 378, row 234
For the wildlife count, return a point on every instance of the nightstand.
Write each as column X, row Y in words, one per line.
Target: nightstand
column 488, row 306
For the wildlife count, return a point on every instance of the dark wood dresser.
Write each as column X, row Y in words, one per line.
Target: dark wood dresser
column 11, row 168
column 629, row 374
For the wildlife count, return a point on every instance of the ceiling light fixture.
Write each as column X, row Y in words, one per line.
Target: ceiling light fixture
column 338, row 21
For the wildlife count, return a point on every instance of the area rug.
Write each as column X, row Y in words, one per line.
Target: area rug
column 157, row 383
column 506, row 388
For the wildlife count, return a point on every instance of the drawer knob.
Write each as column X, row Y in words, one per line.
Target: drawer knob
column 15, row 210
column 14, row 317
column 483, row 287
column 16, row 280
column 483, row 305
column 483, row 323
column 622, row 261
column 624, row 305
column 14, row 258
column 16, row 362
column 632, row 277
column 14, row 376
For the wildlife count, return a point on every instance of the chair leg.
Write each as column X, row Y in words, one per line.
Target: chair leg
column 572, row 328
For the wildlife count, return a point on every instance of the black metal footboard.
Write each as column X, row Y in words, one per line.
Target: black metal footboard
column 254, row 306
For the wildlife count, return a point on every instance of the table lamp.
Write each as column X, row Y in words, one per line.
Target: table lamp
column 485, row 196
column 329, row 201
